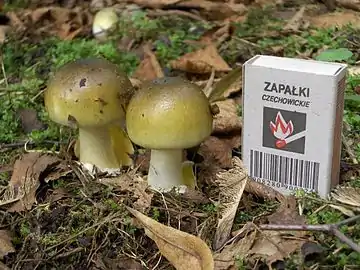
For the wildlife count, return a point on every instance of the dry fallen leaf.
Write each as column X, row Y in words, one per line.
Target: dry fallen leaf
column 339, row 19
column 4, row 29
column 202, row 61
column 263, row 191
column 271, row 246
column 214, row 9
column 229, row 84
column 297, row 21
column 25, row 180
column 121, row 262
column 216, row 151
column 287, row 213
column 6, row 245
column 134, row 184
column 225, row 259
column 149, row 67
column 231, row 184
column 155, row 3
column 347, row 195
column 184, row 251
column 3, row 266
column 63, row 22
column 350, row 4
column 228, row 119
column 354, row 71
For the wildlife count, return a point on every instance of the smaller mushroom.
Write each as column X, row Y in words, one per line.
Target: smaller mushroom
column 92, row 95
column 168, row 115
column 104, row 23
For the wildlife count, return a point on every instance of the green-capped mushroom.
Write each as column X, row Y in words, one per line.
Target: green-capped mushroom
column 92, row 94
column 105, row 21
column 168, row 115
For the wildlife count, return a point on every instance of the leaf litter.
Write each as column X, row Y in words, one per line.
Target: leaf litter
column 86, row 215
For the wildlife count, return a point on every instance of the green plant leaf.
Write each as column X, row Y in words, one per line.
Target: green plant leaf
column 355, row 98
column 340, row 54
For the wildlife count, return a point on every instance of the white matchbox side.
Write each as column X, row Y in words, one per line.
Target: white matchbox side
column 292, row 122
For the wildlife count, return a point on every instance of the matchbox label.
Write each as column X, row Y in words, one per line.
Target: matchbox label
column 291, row 93
column 284, row 130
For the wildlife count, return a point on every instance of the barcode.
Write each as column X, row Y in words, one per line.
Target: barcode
column 284, row 171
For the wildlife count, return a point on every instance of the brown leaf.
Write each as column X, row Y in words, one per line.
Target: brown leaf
column 29, row 120
column 271, row 246
column 149, row 67
column 347, row 195
column 6, row 245
column 233, row 140
column 231, row 184
column 287, row 213
column 25, row 180
column 202, row 61
column 183, row 250
column 4, row 29
column 339, row 19
column 229, row 84
column 296, row 21
column 350, row 4
column 216, row 10
column 225, row 259
column 3, row 266
column 52, row 20
column 195, row 196
column 135, row 185
column 217, row 152
column 119, row 263
column 228, row 120
column 155, row 3
column 263, row 191
column 60, row 15
column 142, row 160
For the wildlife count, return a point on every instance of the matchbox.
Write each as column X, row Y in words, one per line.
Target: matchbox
column 292, row 122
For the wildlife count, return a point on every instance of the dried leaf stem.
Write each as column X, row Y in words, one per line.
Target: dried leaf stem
column 329, row 228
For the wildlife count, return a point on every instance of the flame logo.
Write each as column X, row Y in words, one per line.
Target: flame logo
column 281, row 129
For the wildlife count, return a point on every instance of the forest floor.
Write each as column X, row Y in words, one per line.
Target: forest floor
column 66, row 218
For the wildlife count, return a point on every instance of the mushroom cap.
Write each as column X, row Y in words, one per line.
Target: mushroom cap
column 169, row 113
column 91, row 91
column 104, row 21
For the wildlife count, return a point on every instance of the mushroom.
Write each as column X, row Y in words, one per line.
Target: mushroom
column 104, row 23
column 92, row 94
column 168, row 115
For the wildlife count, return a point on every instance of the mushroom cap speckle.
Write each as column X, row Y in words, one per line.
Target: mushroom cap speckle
column 169, row 113
column 91, row 91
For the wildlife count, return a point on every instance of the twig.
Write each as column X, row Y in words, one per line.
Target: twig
column 329, row 228
column 22, row 144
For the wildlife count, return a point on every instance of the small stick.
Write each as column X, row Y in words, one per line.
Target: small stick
column 22, row 144
column 329, row 228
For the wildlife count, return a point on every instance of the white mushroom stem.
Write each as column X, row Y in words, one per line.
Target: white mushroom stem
column 165, row 171
column 96, row 148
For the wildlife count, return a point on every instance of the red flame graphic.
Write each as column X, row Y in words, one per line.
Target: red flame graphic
column 281, row 129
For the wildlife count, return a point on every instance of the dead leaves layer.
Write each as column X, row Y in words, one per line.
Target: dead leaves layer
column 183, row 250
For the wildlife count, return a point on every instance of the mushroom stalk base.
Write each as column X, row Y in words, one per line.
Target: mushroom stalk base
column 165, row 171
column 96, row 148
